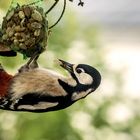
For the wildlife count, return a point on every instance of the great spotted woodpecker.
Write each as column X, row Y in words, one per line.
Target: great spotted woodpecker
column 36, row 89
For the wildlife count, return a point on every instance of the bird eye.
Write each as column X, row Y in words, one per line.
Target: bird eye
column 79, row 70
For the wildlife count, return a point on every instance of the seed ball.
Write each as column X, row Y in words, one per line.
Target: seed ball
column 25, row 29
column 16, row 42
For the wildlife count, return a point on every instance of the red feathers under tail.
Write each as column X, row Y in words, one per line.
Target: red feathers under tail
column 5, row 79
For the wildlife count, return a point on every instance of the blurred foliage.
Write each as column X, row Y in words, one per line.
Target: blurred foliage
column 94, row 118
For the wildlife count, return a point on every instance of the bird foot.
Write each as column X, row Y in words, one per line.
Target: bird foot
column 31, row 64
column 23, row 68
column 27, row 67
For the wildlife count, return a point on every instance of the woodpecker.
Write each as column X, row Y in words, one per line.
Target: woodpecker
column 36, row 89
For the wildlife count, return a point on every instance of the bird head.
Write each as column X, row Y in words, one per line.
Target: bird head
column 87, row 78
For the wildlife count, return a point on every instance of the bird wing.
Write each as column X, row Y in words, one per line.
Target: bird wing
column 38, row 82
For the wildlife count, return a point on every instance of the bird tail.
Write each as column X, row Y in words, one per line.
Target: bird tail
column 6, row 51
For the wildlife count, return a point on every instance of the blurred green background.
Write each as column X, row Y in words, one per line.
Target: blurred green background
column 110, row 113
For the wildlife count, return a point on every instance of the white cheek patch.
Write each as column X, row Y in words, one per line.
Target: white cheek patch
column 40, row 105
column 77, row 96
column 71, row 82
column 85, row 78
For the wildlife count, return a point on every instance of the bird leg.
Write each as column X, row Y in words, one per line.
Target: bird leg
column 31, row 64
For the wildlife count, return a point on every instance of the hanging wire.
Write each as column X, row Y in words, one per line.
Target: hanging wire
column 55, row 3
column 64, row 8
column 35, row 2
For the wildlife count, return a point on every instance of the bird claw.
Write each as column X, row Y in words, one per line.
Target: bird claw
column 23, row 68
column 31, row 64
column 27, row 67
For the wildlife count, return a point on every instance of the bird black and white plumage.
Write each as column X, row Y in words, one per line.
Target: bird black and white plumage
column 41, row 90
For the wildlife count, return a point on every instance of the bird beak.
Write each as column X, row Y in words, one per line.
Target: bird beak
column 66, row 65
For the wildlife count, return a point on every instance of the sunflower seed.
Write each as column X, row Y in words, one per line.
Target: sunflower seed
column 37, row 16
column 27, row 11
column 37, row 32
column 21, row 15
column 22, row 46
column 10, row 33
column 36, row 25
column 16, row 42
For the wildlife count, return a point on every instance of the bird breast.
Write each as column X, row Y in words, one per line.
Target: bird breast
column 37, row 81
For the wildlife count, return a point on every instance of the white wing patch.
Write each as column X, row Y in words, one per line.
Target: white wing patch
column 84, row 78
column 77, row 96
column 40, row 105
